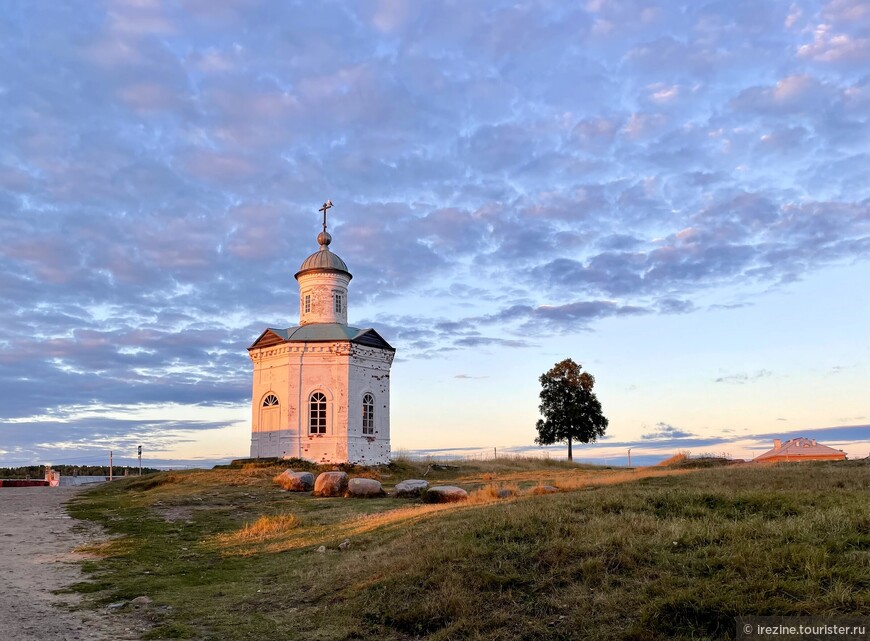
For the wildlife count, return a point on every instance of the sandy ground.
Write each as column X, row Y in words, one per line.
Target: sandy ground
column 37, row 538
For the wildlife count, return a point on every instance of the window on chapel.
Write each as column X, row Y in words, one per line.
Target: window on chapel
column 307, row 303
column 317, row 413
column 338, row 303
column 270, row 401
column 368, row 411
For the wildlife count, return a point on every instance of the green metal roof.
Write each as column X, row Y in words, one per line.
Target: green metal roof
column 319, row 332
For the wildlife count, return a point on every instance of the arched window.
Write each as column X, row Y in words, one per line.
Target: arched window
column 368, row 409
column 270, row 401
column 317, row 413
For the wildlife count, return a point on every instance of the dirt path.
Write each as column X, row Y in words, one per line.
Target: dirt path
column 37, row 537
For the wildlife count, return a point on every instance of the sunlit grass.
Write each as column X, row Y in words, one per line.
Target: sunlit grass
column 275, row 540
column 652, row 553
column 521, row 485
column 676, row 459
column 266, row 527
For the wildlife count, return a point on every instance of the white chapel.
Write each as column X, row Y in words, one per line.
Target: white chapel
column 321, row 389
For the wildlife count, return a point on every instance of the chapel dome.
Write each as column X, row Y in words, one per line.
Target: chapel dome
column 323, row 260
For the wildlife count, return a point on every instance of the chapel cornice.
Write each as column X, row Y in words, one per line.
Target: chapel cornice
column 340, row 348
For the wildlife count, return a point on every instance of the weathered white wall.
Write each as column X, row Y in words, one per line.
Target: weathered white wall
column 344, row 372
column 322, row 287
column 369, row 373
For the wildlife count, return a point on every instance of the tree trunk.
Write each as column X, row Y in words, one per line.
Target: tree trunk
column 570, row 453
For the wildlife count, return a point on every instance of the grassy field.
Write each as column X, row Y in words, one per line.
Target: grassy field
column 644, row 554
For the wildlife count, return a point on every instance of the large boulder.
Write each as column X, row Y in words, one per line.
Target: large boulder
column 296, row 481
column 411, row 488
column 330, row 484
column 444, row 494
column 364, row 488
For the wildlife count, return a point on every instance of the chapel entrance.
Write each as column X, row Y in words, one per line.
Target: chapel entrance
column 269, row 416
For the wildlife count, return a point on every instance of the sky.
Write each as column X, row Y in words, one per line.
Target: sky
column 673, row 194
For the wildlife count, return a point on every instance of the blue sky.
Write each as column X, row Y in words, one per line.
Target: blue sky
column 673, row 194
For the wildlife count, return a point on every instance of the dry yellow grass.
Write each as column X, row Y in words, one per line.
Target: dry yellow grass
column 265, row 527
column 615, row 478
column 679, row 457
column 525, row 482
column 239, row 543
column 262, row 537
column 489, row 493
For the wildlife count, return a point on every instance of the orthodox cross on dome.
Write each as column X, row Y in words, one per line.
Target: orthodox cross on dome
column 323, row 238
column 326, row 205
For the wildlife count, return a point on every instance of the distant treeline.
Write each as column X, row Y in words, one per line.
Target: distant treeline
column 38, row 471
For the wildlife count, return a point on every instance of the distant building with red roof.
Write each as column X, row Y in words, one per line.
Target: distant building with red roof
column 800, row 449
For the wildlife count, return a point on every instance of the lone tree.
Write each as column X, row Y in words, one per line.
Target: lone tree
column 570, row 408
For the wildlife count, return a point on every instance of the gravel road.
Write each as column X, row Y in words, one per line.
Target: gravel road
column 37, row 538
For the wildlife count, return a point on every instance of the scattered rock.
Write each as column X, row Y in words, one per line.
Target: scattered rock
column 321, row 549
column 505, row 493
column 297, row 481
column 545, row 489
column 344, row 545
column 117, row 605
column 330, row 484
column 411, row 488
column 444, row 494
column 364, row 488
column 140, row 601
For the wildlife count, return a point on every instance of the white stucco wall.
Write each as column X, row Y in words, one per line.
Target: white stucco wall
column 343, row 372
column 321, row 288
column 369, row 373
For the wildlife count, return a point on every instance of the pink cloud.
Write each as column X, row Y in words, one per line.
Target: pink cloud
column 641, row 126
column 798, row 93
column 831, row 47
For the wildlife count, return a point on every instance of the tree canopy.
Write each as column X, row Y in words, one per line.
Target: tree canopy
column 570, row 408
